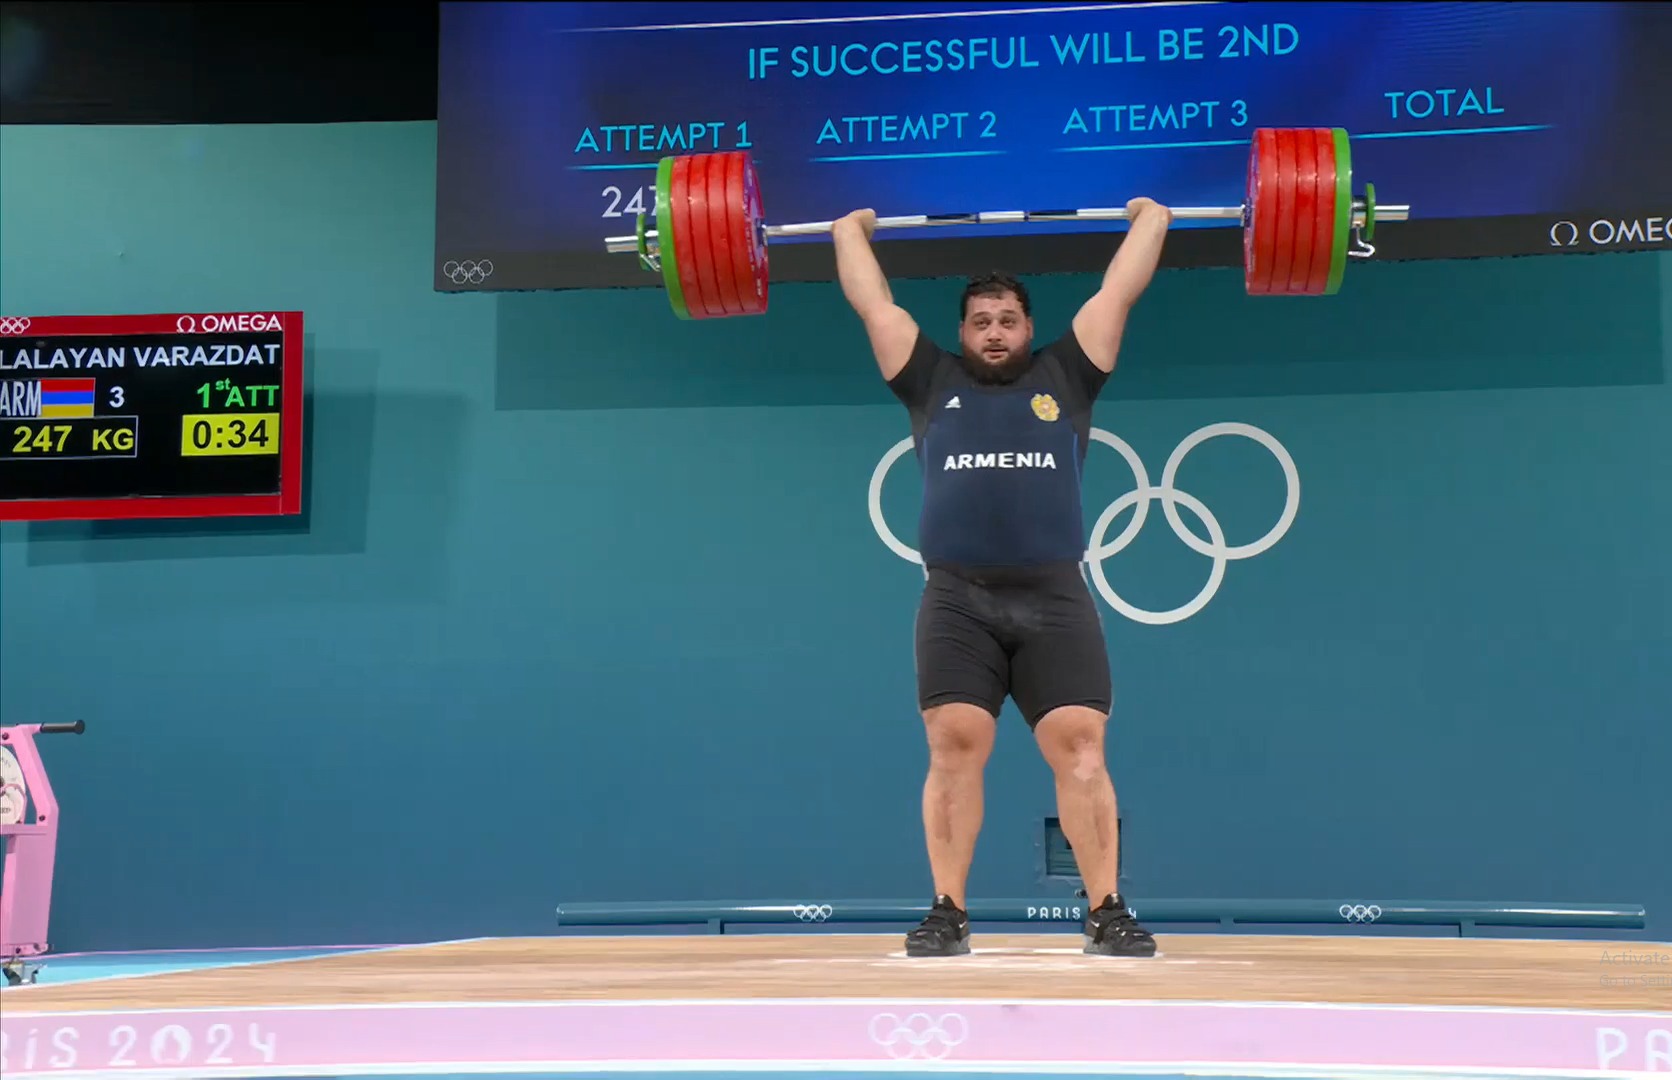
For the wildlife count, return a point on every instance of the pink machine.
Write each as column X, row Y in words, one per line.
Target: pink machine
column 31, row 847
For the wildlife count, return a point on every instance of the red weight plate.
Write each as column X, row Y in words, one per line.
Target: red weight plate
column 702, row 253
column 1283, row 233
column 1259, row 184
column 679, row 194
column 1260, row 236
column 720, row 213
column 1265, row 250
column 1323, row 230
column 1305, row 209
column 752, row 243
column 737, row 236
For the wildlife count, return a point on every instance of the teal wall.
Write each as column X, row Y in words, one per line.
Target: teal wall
column 587, row 604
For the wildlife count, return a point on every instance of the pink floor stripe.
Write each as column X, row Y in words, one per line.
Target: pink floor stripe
column 233, row 950
column 834, row 1033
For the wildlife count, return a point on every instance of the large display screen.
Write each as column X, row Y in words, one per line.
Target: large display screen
column 150, row 416
column 1507, row 128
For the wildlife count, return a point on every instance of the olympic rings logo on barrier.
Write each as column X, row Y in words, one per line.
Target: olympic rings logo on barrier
column 1360, row 912
column 919, row 1035
column 1138, row 500
column 13, row 324
column 812, row 912
column 468, row 272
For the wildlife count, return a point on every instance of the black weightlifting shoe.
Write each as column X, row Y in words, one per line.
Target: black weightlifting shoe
column 945, row 932
column 1112, row 931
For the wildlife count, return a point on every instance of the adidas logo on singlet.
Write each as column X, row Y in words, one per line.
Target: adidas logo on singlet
column 1041, row 459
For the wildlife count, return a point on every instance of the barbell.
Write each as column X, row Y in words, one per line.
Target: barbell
column 1299, row 215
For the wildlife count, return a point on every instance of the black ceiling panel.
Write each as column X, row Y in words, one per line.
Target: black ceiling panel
column 225, row 63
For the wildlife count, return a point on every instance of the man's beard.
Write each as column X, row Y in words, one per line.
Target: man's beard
column 1007, row 370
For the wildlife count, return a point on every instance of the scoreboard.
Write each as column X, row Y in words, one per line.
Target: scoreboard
column 1508, row 128
column 150, row 416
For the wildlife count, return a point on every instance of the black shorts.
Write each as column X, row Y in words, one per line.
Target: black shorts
column 1037, row 639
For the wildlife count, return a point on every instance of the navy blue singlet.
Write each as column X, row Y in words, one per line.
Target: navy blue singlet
column 1001, row 463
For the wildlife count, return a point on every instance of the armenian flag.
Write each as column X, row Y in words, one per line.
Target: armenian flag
column 67, row 397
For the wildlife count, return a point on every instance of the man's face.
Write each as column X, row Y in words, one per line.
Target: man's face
column 997, row 338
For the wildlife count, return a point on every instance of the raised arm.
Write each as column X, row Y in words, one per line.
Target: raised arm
column 1102, row 320
column 892, row 330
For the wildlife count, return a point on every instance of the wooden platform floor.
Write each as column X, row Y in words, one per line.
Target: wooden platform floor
column 1424, row 971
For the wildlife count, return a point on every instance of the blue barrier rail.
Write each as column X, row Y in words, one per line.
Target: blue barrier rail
column 1464, row 915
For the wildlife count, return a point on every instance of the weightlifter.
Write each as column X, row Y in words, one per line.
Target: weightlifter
column 1001, row 431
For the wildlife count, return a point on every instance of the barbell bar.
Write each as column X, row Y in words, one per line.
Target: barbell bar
column 1299, row 215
